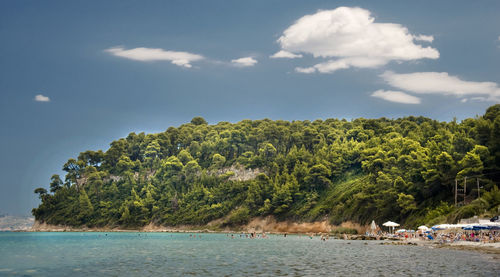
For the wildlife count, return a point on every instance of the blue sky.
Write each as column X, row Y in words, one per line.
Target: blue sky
column 75, row 75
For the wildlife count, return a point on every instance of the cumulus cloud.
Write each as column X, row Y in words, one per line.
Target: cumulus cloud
column 349, row 37
column 183, row 59
column 285, row 54
column 396, row 96
column 244, row 62
column 442, row 83
column 41, row 98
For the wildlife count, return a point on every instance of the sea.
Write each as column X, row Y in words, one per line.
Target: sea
column 184, row 254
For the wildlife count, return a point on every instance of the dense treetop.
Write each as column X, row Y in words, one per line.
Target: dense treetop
column 399, row 169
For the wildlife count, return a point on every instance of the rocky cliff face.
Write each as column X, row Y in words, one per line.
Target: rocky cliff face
column 240, row 173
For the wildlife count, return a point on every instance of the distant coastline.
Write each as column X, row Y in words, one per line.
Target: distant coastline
column 16, row 223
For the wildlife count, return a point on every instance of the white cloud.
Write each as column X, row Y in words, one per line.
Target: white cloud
column 334, row 65
column 479, row 98
column 441, row 83
column 351, row 38
column 424, row 38
column 285, row 54
column 41, row 98
column 244, row 62
column 183, row 59
column 396, row 96
column 305, row 70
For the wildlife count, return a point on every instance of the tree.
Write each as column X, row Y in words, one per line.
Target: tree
column 93, row 158
column 406, row 202
column 55, row 183
column 191, row 171
column 184, row 157
column 471, row 164
column 153, row 152
column 198, row 120
column 41, row 192
column 73, row 168
column 85, row 208
column 267, row 151
column 124, row 164
column 318, row 177
column 218, row 161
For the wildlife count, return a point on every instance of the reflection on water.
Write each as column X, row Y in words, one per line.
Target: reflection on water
column 178, row 254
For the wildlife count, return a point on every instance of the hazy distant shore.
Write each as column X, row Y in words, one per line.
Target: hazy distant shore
column 16, row 223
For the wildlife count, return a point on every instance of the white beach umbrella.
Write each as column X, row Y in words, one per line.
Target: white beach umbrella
column 391, row 224
column 373, row 226
column 423, row 228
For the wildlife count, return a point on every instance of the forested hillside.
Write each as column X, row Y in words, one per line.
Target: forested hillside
column 398, row 169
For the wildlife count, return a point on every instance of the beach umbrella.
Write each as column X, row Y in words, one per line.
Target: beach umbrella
column 481, row 227
column 423, row 228
column 441, row 227
column 493, row 225
column 391, row 224
column 373, row 225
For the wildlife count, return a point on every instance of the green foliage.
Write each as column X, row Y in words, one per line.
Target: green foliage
column 41, row 192
column 239, row 216
column 55, row 183
column 344, row 230
column 406, row 203
column 360, row 170
column 198, row 121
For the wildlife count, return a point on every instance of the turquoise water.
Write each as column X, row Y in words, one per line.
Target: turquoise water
column 176, row 254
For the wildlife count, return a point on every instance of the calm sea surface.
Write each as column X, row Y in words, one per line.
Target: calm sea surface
column 176, row 254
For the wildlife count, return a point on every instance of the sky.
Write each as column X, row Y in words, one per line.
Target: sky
column 76, row 75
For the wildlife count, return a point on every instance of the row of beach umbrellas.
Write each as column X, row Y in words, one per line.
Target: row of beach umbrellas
column 474, row 226
column 423, row 228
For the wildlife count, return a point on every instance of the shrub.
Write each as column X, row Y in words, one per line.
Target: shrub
column 239, row 216
column 345, row 230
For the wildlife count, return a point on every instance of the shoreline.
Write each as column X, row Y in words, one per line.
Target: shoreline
column 258, row 225
column 270, row 226
column 485, row 248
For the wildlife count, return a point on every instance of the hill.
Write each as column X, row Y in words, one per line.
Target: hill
column 402, row 169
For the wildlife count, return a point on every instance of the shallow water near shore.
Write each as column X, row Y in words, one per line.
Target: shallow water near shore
column 178, row 254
